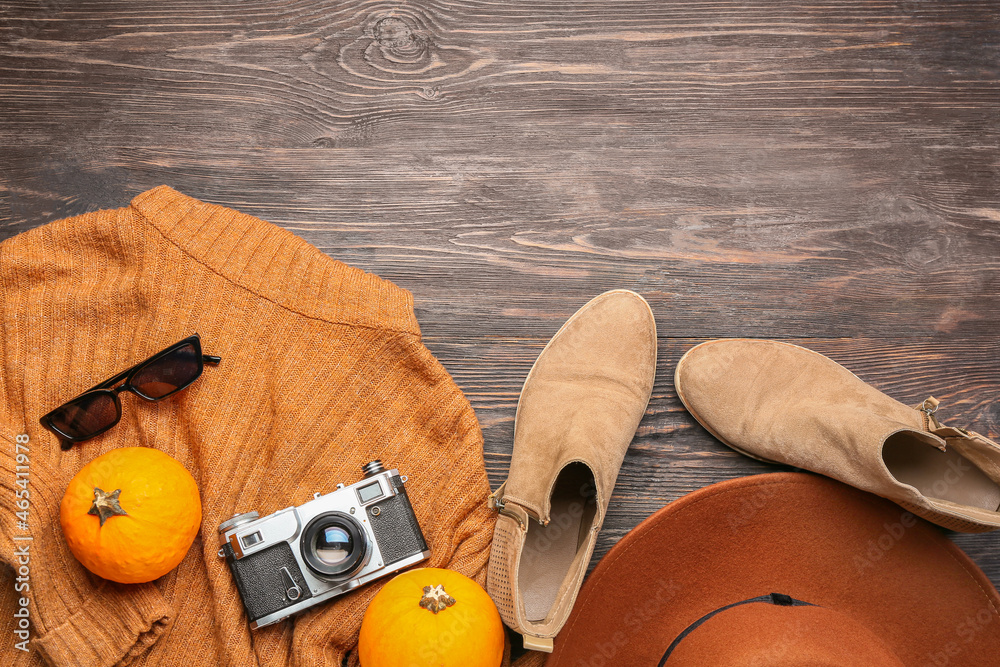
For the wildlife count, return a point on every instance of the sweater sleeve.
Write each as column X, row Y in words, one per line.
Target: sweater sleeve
column 72, row 617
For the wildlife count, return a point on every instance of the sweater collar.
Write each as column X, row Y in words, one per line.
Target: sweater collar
column 276, row 264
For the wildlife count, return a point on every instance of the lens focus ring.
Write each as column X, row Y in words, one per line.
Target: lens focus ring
column 334, row 545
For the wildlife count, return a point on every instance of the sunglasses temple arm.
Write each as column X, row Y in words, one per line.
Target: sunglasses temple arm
column 211, row 359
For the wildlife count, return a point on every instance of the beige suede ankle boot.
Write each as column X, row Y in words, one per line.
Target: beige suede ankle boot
column 783, row 403
column 578, row 411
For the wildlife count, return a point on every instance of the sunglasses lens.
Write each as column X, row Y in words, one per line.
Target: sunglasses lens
column 86, row 415
column 168, row 373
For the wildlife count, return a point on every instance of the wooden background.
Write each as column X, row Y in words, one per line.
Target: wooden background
column 822, row 172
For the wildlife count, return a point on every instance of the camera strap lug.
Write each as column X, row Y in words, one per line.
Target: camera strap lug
column 293, row 592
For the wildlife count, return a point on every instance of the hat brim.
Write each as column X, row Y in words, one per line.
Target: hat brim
column 798, row 534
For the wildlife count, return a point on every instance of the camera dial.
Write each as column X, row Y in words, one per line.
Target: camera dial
column 237, row 520
column 372, row 468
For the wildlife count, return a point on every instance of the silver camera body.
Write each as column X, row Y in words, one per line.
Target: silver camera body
column 302, row 556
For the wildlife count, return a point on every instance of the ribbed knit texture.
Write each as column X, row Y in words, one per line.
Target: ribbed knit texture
column 322, row 370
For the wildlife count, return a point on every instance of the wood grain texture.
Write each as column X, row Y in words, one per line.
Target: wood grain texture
column 824, row 172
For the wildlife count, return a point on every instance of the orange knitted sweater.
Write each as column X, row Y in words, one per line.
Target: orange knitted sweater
column 322, row 370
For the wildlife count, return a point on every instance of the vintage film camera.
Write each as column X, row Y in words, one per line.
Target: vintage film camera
column 301, row 556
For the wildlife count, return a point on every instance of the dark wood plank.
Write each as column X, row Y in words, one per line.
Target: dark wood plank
column 823, row 172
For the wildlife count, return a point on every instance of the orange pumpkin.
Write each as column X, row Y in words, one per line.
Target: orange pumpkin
column 131, row 514
column 431, row 617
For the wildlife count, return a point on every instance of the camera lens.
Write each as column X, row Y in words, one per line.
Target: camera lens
column 334, row 545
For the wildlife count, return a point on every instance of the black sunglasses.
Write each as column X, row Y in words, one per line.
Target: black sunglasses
column 96, row 410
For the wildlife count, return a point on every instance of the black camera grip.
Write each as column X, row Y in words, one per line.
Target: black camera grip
column 395, row 526
column 261, row 581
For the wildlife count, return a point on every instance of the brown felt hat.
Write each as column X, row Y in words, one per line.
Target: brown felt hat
column 783, row 569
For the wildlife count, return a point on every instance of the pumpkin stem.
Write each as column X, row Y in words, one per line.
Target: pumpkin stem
column 106, row 505
column 435, row 599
